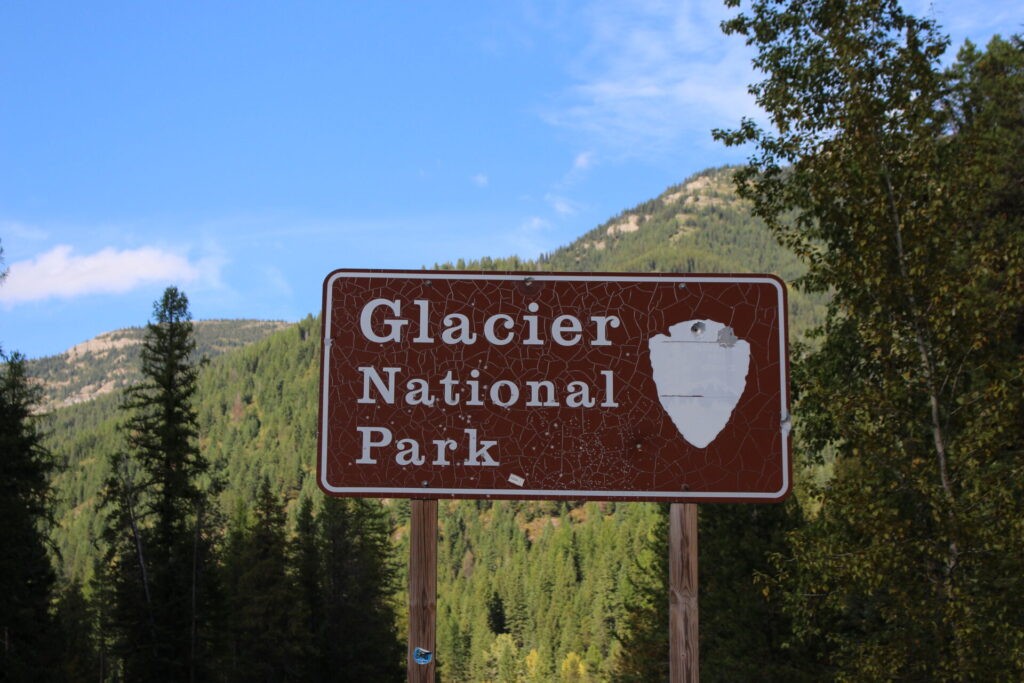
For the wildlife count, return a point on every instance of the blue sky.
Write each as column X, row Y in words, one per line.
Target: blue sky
column 244, row 150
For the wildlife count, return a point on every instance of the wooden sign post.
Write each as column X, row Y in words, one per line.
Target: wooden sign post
column 684, row 653
column 422, row 591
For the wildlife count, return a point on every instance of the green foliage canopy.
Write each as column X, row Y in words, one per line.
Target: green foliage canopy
column 899, row 185
column 26, row 499
column 158, row 559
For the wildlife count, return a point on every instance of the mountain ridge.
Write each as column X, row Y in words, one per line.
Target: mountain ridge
column 699, row 225
column 109, row 361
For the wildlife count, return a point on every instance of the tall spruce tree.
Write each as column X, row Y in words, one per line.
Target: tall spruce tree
column 309, row 575
column 357, row 639
column 27, row 634
column 268, row 634
column 899, row 185
column 159, row 557
column 79, row 657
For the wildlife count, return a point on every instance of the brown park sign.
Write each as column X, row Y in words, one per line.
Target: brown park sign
column 554, row 385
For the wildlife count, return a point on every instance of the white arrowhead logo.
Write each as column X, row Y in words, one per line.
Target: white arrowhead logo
column 700, row 370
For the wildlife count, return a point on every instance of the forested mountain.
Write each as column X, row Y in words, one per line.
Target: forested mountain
column 109, row 362
column 697, row 226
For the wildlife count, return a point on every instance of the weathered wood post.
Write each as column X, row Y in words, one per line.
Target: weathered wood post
column 684, row 650
column 422, row 591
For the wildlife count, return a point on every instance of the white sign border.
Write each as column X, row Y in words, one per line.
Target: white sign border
column 516, row 492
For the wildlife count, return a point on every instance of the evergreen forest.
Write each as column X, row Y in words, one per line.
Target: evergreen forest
column 171, row 528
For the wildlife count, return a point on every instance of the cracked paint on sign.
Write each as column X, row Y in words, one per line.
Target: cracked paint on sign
column 554, row 385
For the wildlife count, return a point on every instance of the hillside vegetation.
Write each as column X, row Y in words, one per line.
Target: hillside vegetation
column 109, row 362
column 697, row 226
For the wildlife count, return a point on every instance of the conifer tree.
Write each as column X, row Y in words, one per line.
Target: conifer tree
column 504, row 662
column 644, row 632
column 267, row 627
column 27, row 634
column 158, row 544
column 742, row 633
column 79, row 658
column 309, row 575
column 358, row 639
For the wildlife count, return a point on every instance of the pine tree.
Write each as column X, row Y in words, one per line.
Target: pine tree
column 358, row 639
column 80, row 659
column 899, row 186
column 309, row 575
column 267, row 626
column 504, row 662
column 158, row 555
column 27, row 634
column 644, row 631
column 743, row 631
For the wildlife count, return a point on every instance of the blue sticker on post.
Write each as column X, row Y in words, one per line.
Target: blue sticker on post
column 422, row 656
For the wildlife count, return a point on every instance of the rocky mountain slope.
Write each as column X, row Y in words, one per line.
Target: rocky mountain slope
column 109, row 362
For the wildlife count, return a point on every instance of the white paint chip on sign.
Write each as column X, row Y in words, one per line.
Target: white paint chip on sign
column 700, row 370
column 516, row 480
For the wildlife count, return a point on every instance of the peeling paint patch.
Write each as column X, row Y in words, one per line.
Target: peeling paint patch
column 700, row 369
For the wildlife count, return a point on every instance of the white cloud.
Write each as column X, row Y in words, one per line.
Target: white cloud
column 651, row 75
column 531, row 237
column 534, row 224
column 60, row 273
column 563, row 206
column 211, row 264
column 480, row 180
column 583, row 161
column 977, row 20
